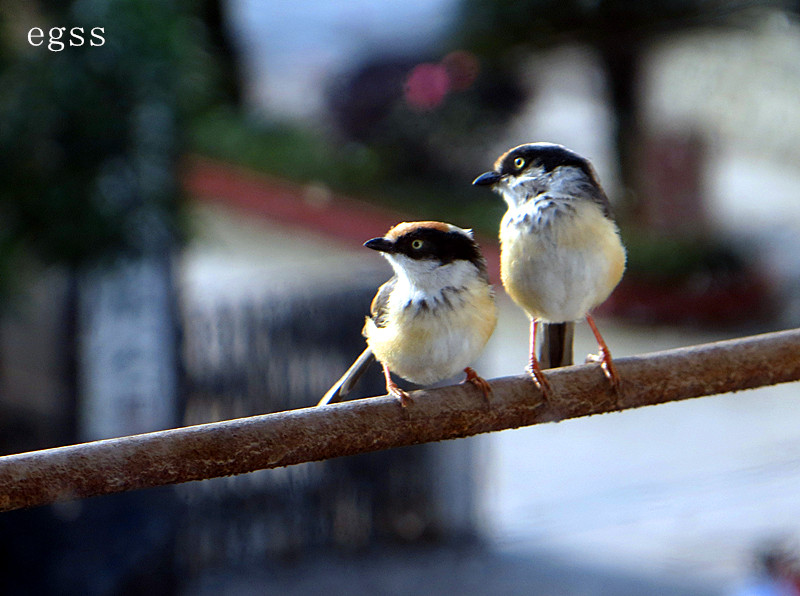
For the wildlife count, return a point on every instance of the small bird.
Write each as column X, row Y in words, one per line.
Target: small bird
column 561, row 253
column 434, row 317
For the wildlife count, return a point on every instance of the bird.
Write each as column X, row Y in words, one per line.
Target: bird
column 561, row 254
column 433, row 317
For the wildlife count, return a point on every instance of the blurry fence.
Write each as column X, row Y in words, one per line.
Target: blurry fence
column 281, row 351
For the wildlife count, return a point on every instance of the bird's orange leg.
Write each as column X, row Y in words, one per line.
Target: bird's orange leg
column 533, row 365
column 604, row 357
column 393, row 389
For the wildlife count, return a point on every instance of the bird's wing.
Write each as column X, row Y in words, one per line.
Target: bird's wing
column 380, row 303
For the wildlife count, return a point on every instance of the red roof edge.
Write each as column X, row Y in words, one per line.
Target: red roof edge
column 306, row 205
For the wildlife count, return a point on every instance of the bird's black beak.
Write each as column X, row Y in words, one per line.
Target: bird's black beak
column 381, row 244
column 487, row 179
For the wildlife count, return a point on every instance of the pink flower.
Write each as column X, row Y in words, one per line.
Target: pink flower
column 426, row 86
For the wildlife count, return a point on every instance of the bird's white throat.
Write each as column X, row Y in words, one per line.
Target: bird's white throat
column 426, row 280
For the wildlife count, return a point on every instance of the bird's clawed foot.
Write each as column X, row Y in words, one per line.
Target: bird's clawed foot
column 480, row 383
column 536, row 373
column 604, row 357
column 607, row 364
column 402, row 395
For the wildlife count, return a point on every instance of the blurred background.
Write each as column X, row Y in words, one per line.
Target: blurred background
column 182, row 209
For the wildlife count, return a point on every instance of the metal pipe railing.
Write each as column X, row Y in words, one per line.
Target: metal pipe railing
column 311, row 434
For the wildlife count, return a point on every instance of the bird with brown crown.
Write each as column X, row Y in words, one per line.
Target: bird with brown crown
column 433, row 318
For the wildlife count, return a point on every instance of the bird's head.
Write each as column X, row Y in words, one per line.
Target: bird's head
column 430, row 252
column 529, row 170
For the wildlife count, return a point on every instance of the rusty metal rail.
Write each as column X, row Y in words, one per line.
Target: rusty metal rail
column 310, row 434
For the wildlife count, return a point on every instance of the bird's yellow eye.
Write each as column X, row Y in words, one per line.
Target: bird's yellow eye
column 519, row 162
column 416, row 244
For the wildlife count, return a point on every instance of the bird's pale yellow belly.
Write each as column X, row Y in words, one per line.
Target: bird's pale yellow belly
column 561, row 271
column 425, row 346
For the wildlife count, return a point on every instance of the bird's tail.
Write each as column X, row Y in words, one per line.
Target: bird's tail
column 349, row 379
column 555, row 345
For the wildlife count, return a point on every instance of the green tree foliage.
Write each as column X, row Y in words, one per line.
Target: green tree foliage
column 90, row 135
